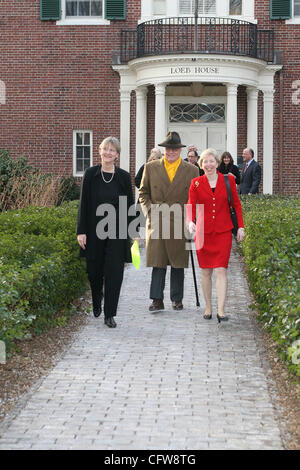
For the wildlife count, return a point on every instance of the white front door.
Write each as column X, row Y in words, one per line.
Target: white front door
column 216, row 138
column 202, row 136
column 199, row 121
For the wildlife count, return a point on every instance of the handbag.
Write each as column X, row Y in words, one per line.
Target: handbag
column 231, row 206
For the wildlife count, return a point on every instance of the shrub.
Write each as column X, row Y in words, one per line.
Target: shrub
column 22, row 185
column 271, row 249
column 69, row 190
column 40, row 269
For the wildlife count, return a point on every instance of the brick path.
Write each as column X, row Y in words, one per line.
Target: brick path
column 158, row 381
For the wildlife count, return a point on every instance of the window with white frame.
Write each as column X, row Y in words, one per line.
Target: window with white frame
column 82, row 151
column 235, row 7
column 159, row 7
column 205, row 7
column 297, row 8
column 213, row 8
column 84, row 8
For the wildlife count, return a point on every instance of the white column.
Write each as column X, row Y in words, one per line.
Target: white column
column 160, row 112
column 252, row 94
column 172, row 8
column 125, row 128
column 232, row 120
column 146, row 10
column 222, row 8
column 141, row 127
column 268, row 140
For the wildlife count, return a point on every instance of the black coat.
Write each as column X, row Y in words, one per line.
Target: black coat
column 225, row 169
column 250, row 179
column 87, row 219
column 138, row 176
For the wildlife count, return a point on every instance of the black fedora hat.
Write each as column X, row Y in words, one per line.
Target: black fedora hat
column 172, row 140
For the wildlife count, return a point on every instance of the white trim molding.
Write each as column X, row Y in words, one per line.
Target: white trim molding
column 222, row 10
column 80, row 20
column 76, row 173
column 294, row 19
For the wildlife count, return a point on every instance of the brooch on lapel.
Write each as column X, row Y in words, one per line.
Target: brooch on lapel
column 196, row 184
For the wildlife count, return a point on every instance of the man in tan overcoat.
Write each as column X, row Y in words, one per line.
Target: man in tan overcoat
column 163, row 193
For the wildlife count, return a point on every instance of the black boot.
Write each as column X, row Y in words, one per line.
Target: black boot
column 110, row 322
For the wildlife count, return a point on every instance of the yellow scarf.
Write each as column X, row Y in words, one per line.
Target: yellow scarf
column 171, row 168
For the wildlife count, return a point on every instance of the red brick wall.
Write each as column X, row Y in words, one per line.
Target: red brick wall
column 287, row 39
column 58, row 79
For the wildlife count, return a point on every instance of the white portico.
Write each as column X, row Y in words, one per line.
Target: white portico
column 226, row 73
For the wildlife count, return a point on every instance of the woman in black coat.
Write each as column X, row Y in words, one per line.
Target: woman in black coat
column 227, row 167
column 102, row 228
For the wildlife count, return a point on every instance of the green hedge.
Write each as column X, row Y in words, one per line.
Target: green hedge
column 40, row 269
column 272, row 254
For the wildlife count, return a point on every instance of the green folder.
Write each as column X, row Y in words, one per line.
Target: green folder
column 135, row 255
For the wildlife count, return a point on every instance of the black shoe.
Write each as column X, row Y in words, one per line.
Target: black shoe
column 97, row 312
column 207, row 317
column 177, row 305
column 110, row 322
column 157, row 305
column 222, row 318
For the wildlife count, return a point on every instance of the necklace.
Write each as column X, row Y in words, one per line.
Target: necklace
column 105, row 181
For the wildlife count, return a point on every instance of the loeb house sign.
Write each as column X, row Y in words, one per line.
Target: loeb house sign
column 197, row 70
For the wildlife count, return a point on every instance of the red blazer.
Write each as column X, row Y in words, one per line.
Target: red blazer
column 216, row 209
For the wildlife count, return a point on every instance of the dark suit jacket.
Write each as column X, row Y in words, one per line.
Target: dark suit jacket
column 201, row 172
column 138, row 176
column 250, row 179
column 87, row 219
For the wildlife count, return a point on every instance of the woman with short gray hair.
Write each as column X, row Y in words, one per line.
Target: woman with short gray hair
column 105, row 250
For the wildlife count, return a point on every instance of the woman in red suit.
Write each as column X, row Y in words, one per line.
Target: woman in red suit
column 210, row 190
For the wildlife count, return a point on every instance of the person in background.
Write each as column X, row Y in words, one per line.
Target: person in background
column 251, row 173
column 155, row 154
column 105, row 252
column 227, row 167
column 192, row 147
column 210, row 190
column 192, row 157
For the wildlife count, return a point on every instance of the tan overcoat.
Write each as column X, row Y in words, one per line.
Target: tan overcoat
column 163, row 201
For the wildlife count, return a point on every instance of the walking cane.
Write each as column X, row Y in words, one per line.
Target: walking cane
column 194, row 275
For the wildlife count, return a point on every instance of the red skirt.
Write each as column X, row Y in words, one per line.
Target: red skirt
column 216, row 249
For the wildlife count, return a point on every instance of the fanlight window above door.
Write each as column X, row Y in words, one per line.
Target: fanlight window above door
column 197, row 112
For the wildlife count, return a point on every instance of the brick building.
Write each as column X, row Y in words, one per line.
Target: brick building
column 74, row 72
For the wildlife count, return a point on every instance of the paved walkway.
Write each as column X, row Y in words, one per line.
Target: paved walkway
column 170, row 380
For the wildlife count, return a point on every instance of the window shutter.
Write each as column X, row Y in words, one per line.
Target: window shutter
column 280, row 9
column 50, row 9
column 115, row 9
